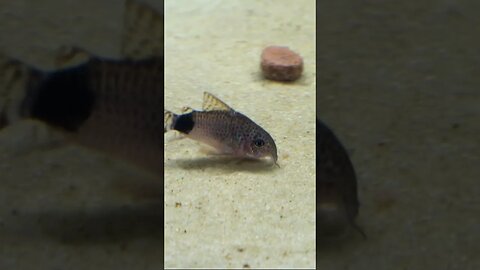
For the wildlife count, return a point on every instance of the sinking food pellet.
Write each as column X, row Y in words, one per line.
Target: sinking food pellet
column 279, row 63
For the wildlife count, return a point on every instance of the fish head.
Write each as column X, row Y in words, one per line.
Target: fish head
column 261, row 145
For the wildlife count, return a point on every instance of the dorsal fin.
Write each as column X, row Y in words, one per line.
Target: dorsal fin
column 212, row 103
column 143, row 30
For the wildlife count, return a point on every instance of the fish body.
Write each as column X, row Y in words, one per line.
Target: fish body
column 223, row 128
column 109, row 105
column 337, row 199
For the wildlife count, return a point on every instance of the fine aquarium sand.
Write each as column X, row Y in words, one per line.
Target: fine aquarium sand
column 221, row 212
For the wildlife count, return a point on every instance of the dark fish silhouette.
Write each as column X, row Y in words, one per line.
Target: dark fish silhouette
column 337, row 201
column 113, row 105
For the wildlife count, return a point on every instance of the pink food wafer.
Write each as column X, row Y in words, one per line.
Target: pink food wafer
column 279, row 63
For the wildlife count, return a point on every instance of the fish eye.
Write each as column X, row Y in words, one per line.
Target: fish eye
column 259, row 142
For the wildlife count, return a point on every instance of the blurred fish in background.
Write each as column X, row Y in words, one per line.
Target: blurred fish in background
column 337, row 199
column 113, row 105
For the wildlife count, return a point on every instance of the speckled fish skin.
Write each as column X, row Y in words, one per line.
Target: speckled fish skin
column 337, row 202
column 227, row 130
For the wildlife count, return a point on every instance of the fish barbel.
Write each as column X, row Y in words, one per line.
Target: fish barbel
column 223, row 128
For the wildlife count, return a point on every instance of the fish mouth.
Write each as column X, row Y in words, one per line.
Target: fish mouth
column 255, row 155
column 261, row 156
column 272, row 158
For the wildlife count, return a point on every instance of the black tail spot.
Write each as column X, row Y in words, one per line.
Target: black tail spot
column 63, row 98
column 184, row 123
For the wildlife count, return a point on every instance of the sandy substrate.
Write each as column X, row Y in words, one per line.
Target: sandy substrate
column 399, row 84
column 219, row 213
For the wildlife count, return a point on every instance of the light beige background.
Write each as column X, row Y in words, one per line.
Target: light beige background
column 240, row 215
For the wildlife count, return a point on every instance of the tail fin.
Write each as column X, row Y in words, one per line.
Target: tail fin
column 16, row 78
column 169, row 120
